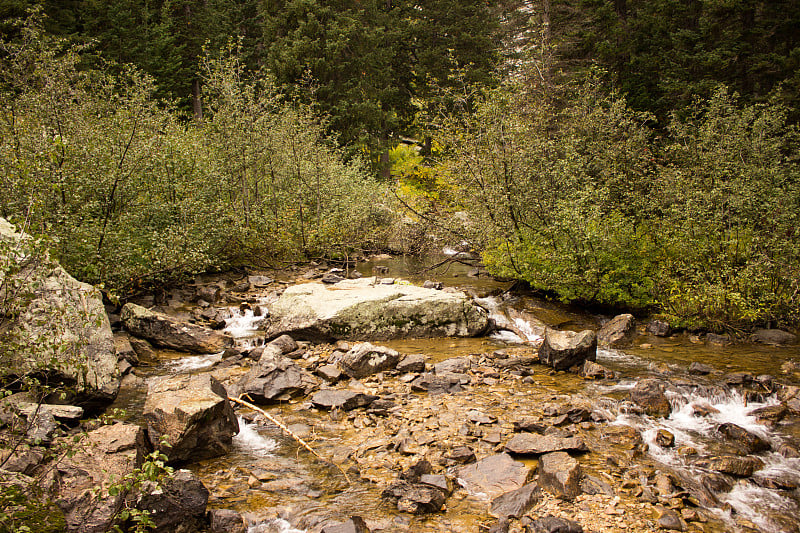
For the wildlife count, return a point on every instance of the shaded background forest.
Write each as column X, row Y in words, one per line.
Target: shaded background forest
column 635, row 154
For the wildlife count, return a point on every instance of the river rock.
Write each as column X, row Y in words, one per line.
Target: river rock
column 553, row 524
column 168, row 332
column 62, row 329
column 560, row 475
column 415, row 498
column 414, row 362
column 592, row 370
column 534, row 444
column 144, row 350
column 564, row 349
column 649, row 395
column 177, row 504
column 362, row 309
column 659, row 328
column 493, row 475
column 669, row 519
column 516, row 503
column 618, row 332
column 192, row 415
column 700, row 369
column 747, row 441
column 226, row 521
column 274, row 378
column 732, row 464
column 356, row 524
column 341, row 399
column 105, row 455
column 364, row 359
column 775, row 337
column 434, row 384
column 330, row 373
column 454, row 365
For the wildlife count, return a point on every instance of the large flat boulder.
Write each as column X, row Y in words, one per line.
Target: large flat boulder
column 363, row 310
column 189, row 417
column 493, row 475
column 53, row 324
column 164, row 330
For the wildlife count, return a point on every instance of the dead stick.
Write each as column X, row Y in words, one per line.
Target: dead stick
column 290, row 432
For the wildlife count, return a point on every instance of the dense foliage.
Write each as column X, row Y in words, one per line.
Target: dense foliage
column 129, row 191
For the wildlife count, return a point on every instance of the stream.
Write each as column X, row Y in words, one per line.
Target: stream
column 279, row 487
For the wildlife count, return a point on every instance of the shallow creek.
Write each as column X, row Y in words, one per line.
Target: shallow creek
column 280, row 487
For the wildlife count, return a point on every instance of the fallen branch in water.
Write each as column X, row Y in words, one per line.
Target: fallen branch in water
column 291, row 433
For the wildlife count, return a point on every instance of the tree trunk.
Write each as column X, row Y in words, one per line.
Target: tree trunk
column 197, row 103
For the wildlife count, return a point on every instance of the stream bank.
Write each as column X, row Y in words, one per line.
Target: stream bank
column 630, row 478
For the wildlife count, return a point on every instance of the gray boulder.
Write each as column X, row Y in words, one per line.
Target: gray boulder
column 364, row 359
column 192, row 415
column 776, row 337
column 60, row 329
column 649, row 395
column 365, row 310
column 560, row 475
column 341, row 399
column 564, row 349
column 106, row 454
column 618, row 332
column 163, row 330
column 275, row 378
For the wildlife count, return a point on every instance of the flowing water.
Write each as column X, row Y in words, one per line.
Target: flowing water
column 280, row 487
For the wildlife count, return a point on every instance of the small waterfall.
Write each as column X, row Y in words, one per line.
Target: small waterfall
column 249, row 441
column 244, row 327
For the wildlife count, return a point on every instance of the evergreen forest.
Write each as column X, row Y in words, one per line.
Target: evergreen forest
column 632, row 154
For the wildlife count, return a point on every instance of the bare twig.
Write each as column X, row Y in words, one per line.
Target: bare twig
column 292, row 434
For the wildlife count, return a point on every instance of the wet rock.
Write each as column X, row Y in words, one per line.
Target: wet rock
column 595, row 485
column 381, row 406
column 649, row 394
column 209, row 293
column 738, row 378
column 274, row 378
column 125, row 351
column 553, row 524
column 341, row 399
column 356, row 524
column 493, row 475
column 411, row 363
column 329, row 373
column 719, row 340
column 700, row 369
column 439, row 481
column 285, row 343
column 415, row 498
column 659, row 328
column 670, row 520
column 60, row 315
column 564, row 349
column 665, row 439
column 530, row 424
column 226, row 521
column 617, row 332
column 747, row 441
column 177, row 504
column 478, row 417
column 109, row 452
column 189, row 417
column 166, row 331
column 732, row 464
column 364, row 359
column 592, row 370
column 775, row 337
column 434, row 384
column 331, row 278
column 364, row 309
column 462, row 455
column 437, row 285
column 534, row 444
column 143, row 349
column 260, row 282
column 455, row 365
column 560, row 475
column 516, row 503
column 770, row 413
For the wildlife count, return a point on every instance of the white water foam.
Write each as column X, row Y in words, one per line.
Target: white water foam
column 243, row 324
column 274, row 525
column 250, row 441
column 193, row 362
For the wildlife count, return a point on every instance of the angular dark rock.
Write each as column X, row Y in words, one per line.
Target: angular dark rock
column 618, row 332
column 530, row 424
column 412, row 363
column 516, row 502
column 560, row 475
column 659, row 328
column 564, row 349
column 534, row 444
column 649, row 395
column 364, row 359
column 434, row 384
column 381, row 406
column 168, row 332
column 732, row 464
column 274, row 378
column 189, row 417
column 341, row 399
column 462, row 455
column 415, row 498
column 177, row 504
column 595, row 485
column 285, row 343
column 747, row 441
